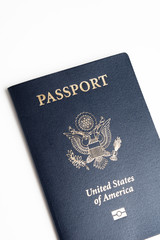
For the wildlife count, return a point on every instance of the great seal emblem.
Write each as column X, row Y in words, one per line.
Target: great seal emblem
column 92, row 139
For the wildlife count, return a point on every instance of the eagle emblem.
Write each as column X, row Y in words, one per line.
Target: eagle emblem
column 92, row 139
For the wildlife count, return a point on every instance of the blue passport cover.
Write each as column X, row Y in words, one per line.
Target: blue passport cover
column 95, row 149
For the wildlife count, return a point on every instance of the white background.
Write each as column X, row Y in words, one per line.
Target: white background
column 40, row 37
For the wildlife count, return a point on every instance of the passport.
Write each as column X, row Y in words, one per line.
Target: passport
column 95, row 149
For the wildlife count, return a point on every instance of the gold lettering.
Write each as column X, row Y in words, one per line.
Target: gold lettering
column 103, row 79
column 94, row 82
column 50, row 97
column 41, row 98
column 58, row 93
column 74, row 88
column 66, row 91
column 81, row 87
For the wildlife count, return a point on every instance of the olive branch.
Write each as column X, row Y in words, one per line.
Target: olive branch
column 76, row 160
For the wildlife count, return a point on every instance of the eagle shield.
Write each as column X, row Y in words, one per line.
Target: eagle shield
column 92, row 139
